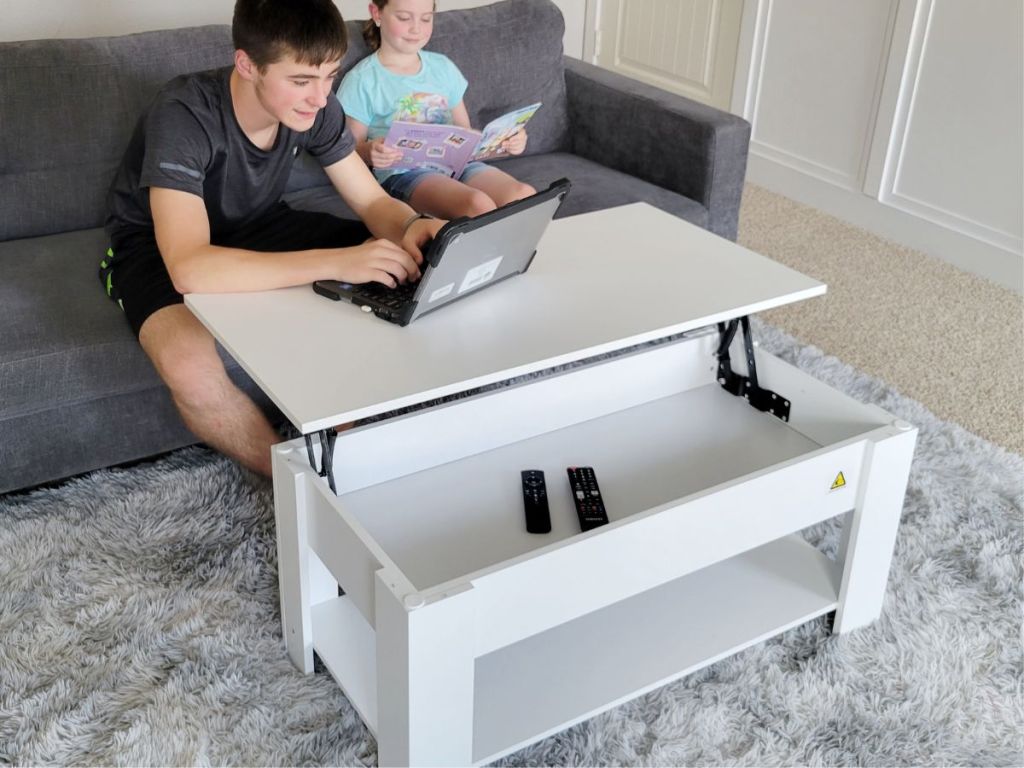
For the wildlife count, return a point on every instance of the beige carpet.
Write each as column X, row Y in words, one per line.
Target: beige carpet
column 939, row 335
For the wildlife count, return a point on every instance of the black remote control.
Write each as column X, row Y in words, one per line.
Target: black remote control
column 535, row 499
column 587, row 497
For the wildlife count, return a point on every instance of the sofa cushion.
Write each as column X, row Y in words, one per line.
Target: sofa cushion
column 65, row 342
column 593, row 187
column 511, row 54
column 58, row 155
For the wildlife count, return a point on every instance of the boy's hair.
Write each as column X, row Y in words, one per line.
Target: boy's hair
column 371, row 33
column 310, row 30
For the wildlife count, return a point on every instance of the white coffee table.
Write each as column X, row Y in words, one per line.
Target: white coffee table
column 460, row 637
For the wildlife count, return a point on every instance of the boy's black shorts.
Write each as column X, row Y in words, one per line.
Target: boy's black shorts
column 133, row 272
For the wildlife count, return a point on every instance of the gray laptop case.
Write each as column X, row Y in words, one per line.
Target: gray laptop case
column 466, row 256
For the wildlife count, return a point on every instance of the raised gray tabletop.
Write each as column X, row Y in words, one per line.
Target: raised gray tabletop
column 600, row 281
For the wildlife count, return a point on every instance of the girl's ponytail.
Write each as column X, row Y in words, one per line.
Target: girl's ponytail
column 371, row 32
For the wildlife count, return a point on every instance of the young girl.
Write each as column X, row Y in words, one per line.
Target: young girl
column 400, row 81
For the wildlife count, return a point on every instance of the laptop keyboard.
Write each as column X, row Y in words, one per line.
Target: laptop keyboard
column 389, row 297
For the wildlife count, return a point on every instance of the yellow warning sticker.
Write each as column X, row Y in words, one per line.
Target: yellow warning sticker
column 839, row 482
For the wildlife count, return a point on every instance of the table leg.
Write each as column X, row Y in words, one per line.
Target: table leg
column 870, row 532
column 293, row 557
column 425, row 666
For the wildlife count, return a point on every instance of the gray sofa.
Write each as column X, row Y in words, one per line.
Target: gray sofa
column 76, row 391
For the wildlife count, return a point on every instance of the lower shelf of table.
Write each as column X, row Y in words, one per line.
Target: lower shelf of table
column 610, row 656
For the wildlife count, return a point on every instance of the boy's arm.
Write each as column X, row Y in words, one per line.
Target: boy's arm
column 385, row 216
column 182, row 230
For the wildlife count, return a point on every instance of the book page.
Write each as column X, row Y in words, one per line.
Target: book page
column 444, row 148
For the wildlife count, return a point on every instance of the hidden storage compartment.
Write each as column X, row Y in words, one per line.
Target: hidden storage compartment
column 439, row 490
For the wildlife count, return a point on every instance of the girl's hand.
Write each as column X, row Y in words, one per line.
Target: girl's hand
column 383, row 156
column 516, row 143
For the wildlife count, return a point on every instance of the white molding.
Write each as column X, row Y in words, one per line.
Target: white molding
column 750, row 58
column 938, row 233
column 891, row 88
column 881, row 74
column 804, row 165
column 935, row 239
column 889, row 192
column 756, row 29
column 591, row 30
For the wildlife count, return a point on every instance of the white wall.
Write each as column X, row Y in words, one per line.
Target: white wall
column 37, row 19
column 901, row 116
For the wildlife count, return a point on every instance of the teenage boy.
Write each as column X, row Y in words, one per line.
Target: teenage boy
column 195, row 207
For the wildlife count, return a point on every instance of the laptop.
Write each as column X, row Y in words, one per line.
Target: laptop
column 466, row 256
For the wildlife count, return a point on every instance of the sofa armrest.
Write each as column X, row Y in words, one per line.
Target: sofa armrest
column 665, row 139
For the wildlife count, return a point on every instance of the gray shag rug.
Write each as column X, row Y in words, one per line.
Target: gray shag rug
column 139, row 626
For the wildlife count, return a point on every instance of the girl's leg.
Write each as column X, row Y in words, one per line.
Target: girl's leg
column 447, row 198
column 499, row 186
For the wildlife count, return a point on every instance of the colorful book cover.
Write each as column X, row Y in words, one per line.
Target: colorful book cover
column 500, row 129
column 448, row 148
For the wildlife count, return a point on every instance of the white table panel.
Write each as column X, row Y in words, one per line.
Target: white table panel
column 325, row 363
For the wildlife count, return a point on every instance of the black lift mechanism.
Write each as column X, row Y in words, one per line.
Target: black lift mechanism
column 326, row 468
column 746, row 386
column 733, row 383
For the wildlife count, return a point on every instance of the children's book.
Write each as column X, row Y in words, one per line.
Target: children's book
column 448, row 148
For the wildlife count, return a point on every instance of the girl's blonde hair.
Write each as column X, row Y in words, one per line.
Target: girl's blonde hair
column 371, row 32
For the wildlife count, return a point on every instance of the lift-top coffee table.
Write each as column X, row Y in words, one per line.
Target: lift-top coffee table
column 460, row 636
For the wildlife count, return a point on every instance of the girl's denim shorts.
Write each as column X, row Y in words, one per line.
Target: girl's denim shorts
column 402, row 185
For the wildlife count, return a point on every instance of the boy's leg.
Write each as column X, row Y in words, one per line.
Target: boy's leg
column 183, row 351
column 497, row 185
column 211, row 405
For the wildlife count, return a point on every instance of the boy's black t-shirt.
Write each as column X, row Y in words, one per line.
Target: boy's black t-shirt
column 190, row 140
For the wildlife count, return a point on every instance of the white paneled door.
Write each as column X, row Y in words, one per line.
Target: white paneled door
column 684, row 46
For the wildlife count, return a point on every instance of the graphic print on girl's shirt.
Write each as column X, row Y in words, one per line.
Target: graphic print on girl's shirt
column 423, row 108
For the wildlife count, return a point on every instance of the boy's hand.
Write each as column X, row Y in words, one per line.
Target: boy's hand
column 378, row 261
column 419, row 233
column 383, row 156
column 516, row 143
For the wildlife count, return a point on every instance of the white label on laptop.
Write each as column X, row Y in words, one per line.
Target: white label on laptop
column 479, row 275
column 440, row 293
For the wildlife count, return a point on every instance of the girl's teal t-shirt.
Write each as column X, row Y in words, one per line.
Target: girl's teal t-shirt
column 377, row 97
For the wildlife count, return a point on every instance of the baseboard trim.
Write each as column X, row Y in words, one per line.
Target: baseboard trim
column 967, row 253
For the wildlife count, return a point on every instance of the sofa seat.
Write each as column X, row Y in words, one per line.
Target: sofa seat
column 61, row 345
column 594, row 187
column 70, row 364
